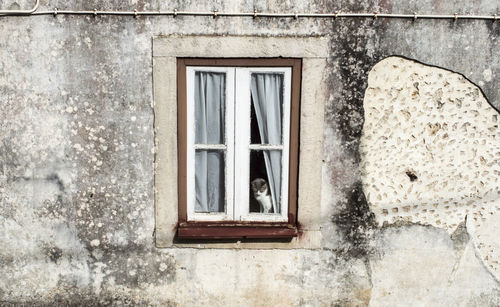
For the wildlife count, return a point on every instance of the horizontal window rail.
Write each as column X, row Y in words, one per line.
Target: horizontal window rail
column 265, row 147
column 210, row 146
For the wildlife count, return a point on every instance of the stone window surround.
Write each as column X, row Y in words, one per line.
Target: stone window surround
column 314, row 52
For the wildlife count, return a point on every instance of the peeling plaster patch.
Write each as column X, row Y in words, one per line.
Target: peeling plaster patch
column 429, row 150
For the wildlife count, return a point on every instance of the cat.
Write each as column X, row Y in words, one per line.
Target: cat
column 262, row 195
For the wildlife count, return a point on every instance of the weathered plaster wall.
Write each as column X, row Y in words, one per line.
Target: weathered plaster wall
column 76, row 164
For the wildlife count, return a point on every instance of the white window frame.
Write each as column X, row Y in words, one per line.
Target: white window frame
column 237, row 145
column 228, row 148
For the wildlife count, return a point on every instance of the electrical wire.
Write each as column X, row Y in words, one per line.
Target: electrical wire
column 254, row 14
column 20, row 12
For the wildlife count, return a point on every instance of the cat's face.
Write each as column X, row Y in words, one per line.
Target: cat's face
column 259, row 186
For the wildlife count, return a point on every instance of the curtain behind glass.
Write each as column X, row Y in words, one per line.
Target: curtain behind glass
column 209, row 107
column 209, row 129
column 267, row 99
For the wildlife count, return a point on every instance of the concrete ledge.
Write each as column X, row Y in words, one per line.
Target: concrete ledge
column 239, row 46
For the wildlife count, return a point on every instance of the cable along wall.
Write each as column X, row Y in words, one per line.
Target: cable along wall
column 255, row 14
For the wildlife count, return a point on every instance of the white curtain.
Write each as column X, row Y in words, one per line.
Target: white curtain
column 209, row 129
column 267, row 100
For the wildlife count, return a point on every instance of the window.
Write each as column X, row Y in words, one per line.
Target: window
column 307, row 206
column 238, row 147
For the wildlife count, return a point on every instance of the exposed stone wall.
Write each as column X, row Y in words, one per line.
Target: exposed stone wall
column 430, row 151
column 77, row 174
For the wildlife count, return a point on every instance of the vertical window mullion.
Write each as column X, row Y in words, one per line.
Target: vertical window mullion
column 230, row 136
column 242, row 142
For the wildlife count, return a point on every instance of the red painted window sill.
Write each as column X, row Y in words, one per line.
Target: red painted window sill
column 199, row 230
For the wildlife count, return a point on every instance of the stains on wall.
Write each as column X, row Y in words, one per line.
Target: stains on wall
column 342, row 196
column 355, row 222
column 427, row 266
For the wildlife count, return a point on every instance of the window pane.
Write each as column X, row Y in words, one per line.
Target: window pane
column 209, row 105
column 209, row 181
column 267, row 108
column 265, row 181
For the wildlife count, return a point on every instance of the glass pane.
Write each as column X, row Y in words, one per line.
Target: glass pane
column 209, row 105
column 265, row 181
column 209, row 181
column 267, row 108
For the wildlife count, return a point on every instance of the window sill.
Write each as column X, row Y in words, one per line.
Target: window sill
column 204, row 230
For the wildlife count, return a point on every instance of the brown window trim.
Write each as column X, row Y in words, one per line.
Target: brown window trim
column 240, row 230
column 237, row 229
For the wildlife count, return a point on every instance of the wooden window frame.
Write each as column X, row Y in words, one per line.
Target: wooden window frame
column 238, row 229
